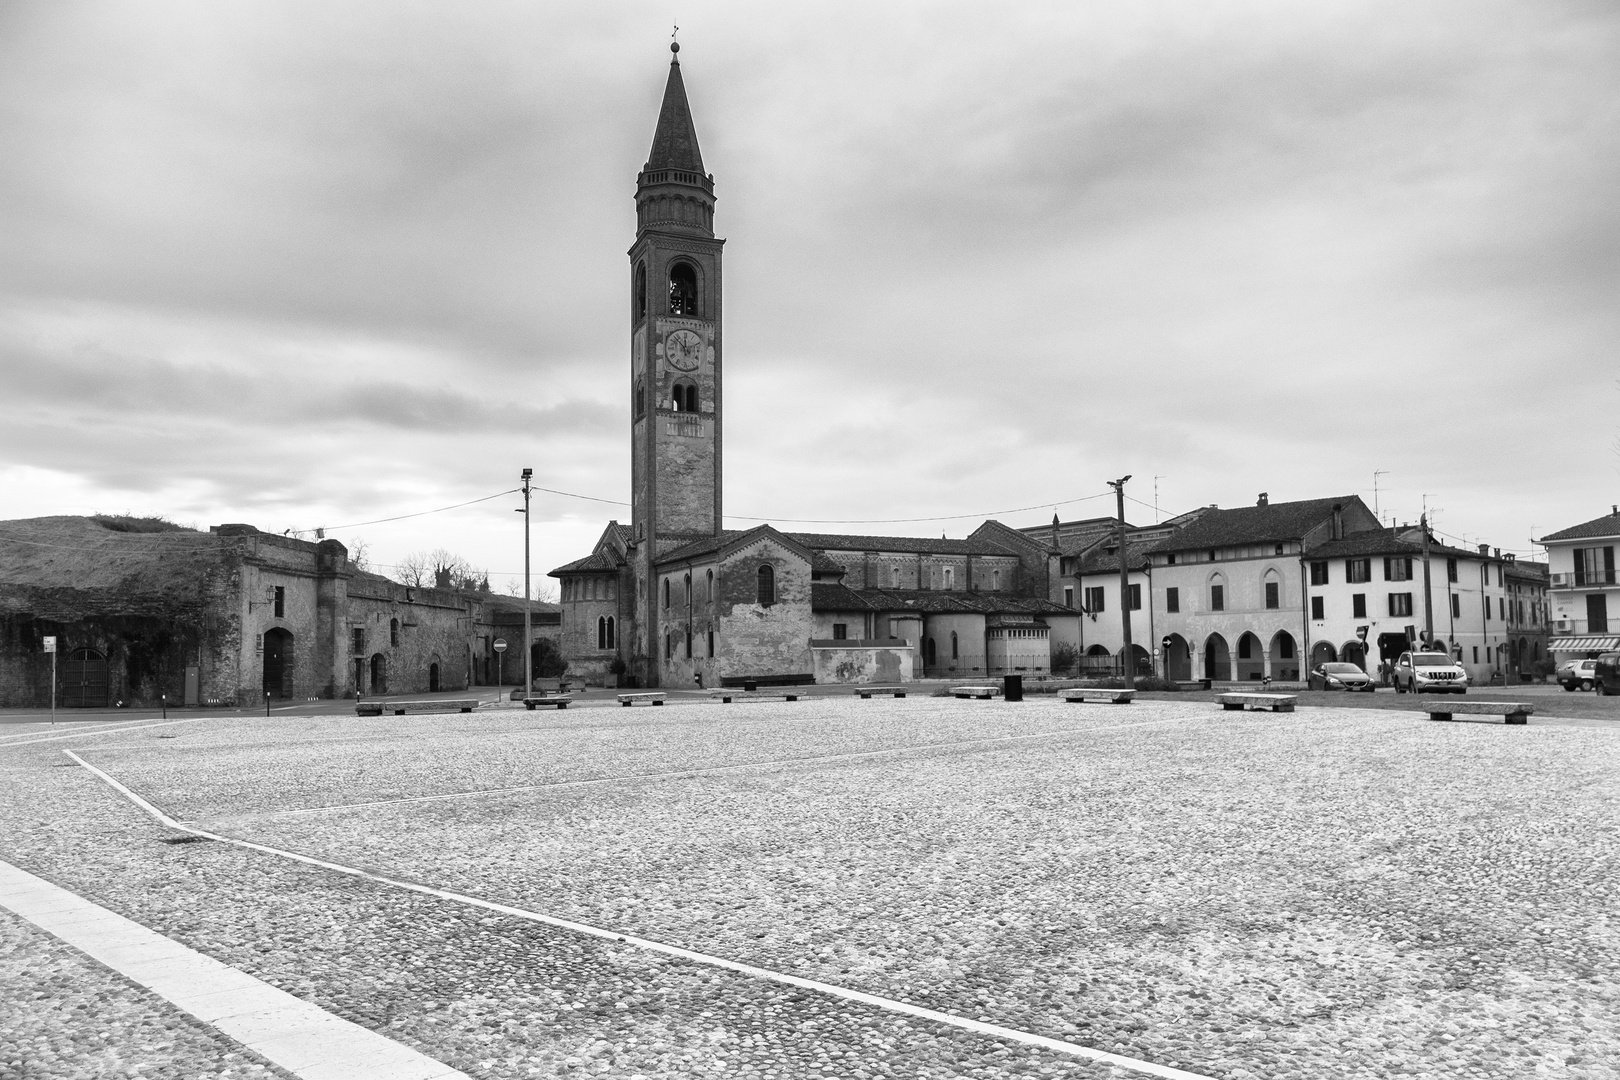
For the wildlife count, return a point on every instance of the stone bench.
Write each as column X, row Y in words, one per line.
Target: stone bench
column 1113, row 697
column 866, row 692
column 1511, row 712
column 649, row 697
column 982, row 693
column 559, row 701
column 728, row 694
column 1239, row 700
column 400, row 708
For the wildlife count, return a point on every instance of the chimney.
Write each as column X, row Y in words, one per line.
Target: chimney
column 1265, row 499
column 1485, row 550
column 1338, row 521
column 1496, row 553
column 1055, row 530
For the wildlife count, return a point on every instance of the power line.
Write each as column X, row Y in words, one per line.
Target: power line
column 420, row 513
column 903, row 521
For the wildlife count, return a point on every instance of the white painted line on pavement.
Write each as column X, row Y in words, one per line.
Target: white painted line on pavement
column 302, row 1038
column 995, row 1031
column 30, row 737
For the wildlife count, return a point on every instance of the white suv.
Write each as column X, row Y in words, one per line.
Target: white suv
column 1429, row 673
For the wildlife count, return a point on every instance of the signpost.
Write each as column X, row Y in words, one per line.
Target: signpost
column 50, row 647
column 500, row 647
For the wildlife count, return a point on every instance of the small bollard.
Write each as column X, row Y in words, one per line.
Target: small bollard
column 267, row 703
column 164, row 700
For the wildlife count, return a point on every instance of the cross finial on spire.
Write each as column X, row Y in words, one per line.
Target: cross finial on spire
column 674, row 46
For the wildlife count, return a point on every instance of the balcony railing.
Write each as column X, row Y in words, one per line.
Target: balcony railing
column 1583, row 579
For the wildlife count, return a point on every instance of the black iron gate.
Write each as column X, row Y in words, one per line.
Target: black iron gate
column 86, row 682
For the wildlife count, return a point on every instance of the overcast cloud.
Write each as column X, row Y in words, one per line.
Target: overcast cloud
column 313, row 264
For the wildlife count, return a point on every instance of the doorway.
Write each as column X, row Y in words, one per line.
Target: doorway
column 278, row 645
column 86, row 681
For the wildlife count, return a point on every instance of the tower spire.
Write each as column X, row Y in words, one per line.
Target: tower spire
column 675, row 142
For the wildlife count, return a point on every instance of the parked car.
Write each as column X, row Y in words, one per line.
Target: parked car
column 1340, row 677
column 1577, row 674
column 1429, row 673
column 1606, row 674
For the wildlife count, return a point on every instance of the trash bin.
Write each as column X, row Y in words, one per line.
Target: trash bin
column 750, row 685
column 1012, row 688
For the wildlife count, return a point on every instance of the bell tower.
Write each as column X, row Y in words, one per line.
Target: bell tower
column 675, row 350
column 675, row 334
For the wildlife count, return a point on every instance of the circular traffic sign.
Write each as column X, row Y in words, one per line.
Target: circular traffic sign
column 500, row 644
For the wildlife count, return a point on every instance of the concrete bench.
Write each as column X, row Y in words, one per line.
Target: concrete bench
column 1239, row 700
column 400, row 708
column 728, row 694
column 559, row 701
column 866, row 692
column 1113, row 697
column 649, row 697
column 982, row 693
column 1511, row 712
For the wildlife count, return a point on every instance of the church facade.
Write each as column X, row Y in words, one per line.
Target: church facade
column 675, row 599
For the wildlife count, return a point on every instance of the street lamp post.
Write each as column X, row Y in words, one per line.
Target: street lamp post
column 528, row 647
column 1129, row 660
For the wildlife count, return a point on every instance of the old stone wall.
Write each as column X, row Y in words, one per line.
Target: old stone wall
column 432, row 628
column 755, row 639
column 878, row 664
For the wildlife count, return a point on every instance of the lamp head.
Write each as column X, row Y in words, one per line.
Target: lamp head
column 527, row 473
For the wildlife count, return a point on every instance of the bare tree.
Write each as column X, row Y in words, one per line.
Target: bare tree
column 413, row 570
column 360, row 555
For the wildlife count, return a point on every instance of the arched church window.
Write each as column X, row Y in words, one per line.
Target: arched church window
column 601, row 632
column 954, row 652
column 708, row 593
column 688, row 590
column 894, row 577
column 393, row 631
column 639, row 406
column 686, row 396
column 666, row 593
column 641, row 290
column 683, row 297
column 767, row 586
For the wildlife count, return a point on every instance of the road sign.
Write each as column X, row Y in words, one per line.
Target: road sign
column 50, row 643
column 500, row 644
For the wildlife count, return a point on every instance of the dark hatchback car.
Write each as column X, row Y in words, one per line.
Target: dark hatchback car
column 1340, row 677
column 1606, row 674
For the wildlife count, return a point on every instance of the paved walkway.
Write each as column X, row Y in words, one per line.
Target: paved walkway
column 301, row 1038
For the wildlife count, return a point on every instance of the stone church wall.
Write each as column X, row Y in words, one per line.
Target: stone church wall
column 754, row 639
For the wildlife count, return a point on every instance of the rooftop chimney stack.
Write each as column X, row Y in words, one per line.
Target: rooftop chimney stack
column 1265, row 499
column 1338, row 522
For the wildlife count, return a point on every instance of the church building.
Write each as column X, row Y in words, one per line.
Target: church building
column 676, row 599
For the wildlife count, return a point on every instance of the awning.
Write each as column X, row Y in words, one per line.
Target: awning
column 1584, row 643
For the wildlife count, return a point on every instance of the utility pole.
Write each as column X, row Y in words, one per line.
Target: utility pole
column 1428, row 600
column 528, row 647
column 1128, row 659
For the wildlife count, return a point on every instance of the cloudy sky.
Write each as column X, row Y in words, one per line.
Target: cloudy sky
column 313, row 264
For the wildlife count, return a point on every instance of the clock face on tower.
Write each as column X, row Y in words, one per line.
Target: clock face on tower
column 683, row 349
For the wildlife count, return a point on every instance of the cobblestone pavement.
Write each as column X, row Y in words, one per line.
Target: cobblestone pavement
column 64, row 1016
column 1332, row 893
